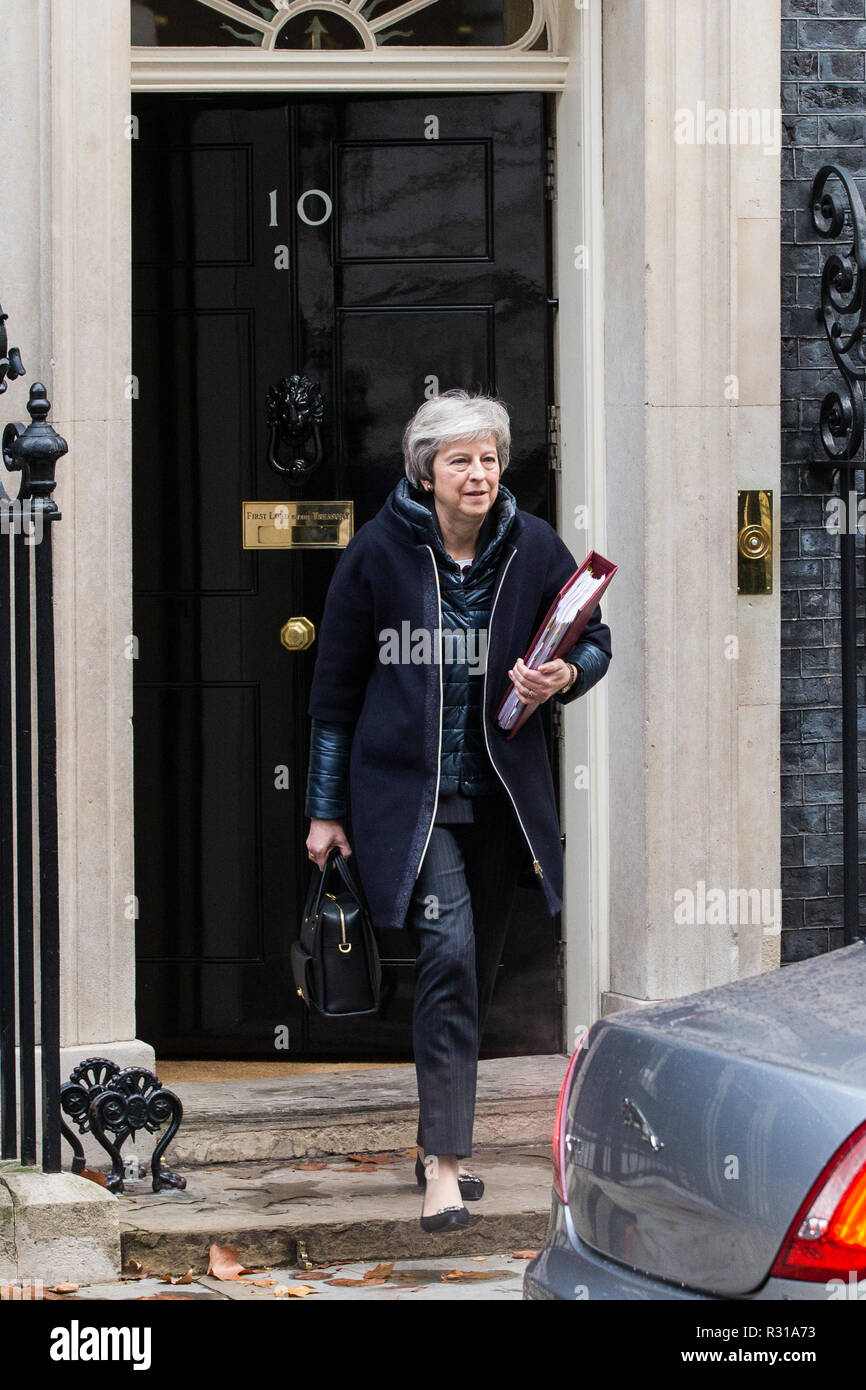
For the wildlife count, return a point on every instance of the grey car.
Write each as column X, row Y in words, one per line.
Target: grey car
column 715, row 1146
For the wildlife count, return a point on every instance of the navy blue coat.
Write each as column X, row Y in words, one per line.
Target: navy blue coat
column 385, row 578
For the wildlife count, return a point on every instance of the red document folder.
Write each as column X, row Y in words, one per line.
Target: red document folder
column 598, row 567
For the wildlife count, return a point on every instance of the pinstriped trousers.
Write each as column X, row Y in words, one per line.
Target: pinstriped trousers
column 458, row 919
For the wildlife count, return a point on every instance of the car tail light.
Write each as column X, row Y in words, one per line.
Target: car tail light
column 559, row 1149
column 827, row 1238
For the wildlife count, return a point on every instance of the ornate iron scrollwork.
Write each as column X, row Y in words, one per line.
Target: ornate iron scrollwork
column 101, row 1098
column 843, row 311
column 86, row 1081
column 843, row 287
column 295, row 411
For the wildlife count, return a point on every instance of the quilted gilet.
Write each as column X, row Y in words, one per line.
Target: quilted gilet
column 466, row 604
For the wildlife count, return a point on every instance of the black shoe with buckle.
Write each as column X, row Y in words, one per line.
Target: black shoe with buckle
column 446, row 1219
column 471, row 1188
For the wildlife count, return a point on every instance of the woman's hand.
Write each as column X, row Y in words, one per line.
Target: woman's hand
column 323, row 836
column 536, row 686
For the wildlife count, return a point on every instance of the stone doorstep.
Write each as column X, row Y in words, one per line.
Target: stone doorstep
column 346, row 1112
column 55, row 1226
column 270, row 1213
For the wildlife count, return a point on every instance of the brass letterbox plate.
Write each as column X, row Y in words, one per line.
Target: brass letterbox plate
column 297, row 525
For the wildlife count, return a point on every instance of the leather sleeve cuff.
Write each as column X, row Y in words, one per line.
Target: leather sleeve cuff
column 327, row 778
column 592, row 663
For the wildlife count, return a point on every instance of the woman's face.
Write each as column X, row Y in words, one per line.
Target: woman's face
column 466, row 478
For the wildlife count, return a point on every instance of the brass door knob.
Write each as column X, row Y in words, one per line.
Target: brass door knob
column 297, row 634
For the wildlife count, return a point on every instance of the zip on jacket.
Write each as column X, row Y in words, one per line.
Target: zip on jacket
column 439, row 749
column 535, row 864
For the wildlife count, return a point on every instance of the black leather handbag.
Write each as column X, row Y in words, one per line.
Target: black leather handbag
column 335, row 961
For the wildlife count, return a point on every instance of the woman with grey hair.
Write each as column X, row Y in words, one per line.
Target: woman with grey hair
column 431, row 606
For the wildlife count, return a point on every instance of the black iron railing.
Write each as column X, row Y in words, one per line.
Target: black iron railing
column 837, row 212
column 28, row 935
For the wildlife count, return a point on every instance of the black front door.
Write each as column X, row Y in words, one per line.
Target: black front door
column 386, row 250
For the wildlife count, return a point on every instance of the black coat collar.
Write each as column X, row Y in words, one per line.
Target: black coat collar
column 414, row 512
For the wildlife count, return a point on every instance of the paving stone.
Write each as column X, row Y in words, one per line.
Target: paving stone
column 129, row 1290
column 412, row 1280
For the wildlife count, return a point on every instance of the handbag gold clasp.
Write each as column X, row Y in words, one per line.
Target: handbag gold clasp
column 343, row 946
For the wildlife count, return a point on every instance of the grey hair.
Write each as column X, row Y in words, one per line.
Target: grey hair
column 445, row 418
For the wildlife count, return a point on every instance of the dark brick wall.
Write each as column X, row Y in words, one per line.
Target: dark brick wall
column 824, row 118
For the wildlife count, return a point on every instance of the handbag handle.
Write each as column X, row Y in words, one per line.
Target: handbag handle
column 349, row 880
column 316, row 890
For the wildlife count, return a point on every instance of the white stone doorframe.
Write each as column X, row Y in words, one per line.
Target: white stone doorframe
column 574, row 76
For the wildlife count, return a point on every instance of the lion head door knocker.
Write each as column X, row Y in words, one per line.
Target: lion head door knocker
column 295, row 412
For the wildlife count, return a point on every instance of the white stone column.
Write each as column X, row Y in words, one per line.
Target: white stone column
column 579, row 271
column 24, row 225
column 692, row 391
column 88, row 231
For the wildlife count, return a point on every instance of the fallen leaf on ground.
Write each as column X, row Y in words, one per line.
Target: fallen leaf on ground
column 524, row 1254
column 258, row 1283
column 480, row 1257
column 379, row 1275
column 299, row 1290
column 309, row 1167
column 187, row 1278
column 312, row 1274
column 132, row 1269
column 93, row 1175
column 373, row 1159
column 224, row 1263
column 457, row 1276
column 364, row 1283
column 382, row 1271
column 65, row 1287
